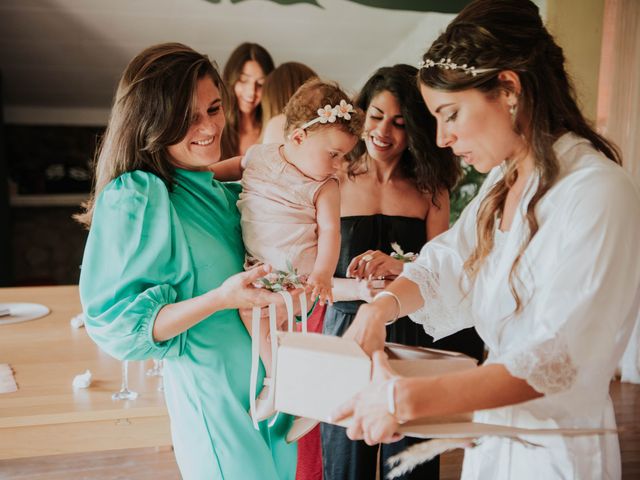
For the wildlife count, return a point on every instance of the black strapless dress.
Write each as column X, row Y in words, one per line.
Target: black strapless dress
column 343, row 458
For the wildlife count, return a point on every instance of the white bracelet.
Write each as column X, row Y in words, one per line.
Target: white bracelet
column 391, row 400
column 386, row 293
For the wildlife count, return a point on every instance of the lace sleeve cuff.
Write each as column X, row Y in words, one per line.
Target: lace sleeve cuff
column 547, row 367
column 438, row 317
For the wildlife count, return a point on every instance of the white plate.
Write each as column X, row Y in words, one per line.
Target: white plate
column 21, row 312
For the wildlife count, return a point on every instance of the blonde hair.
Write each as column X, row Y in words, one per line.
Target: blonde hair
column 280, row 85
column 313, row 95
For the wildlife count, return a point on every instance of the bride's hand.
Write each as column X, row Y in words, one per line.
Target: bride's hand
column 371, row 420
column 368, row 329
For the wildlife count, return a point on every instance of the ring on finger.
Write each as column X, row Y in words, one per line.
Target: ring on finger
column 368, row 257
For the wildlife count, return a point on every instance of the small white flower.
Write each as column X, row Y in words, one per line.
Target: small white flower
column 327, row 114
column 396, row 248
column 345, row 110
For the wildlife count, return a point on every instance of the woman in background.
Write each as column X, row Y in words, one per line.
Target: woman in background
column 244, row 74
column 278, row 88
column 397, row 192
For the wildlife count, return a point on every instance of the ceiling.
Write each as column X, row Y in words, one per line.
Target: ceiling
column 61, row 59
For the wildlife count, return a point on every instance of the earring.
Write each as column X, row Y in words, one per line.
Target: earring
column 513, row 110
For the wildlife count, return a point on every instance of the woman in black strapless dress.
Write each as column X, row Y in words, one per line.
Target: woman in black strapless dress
column 397, row 191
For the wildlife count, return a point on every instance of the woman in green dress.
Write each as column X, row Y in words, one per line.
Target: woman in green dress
column 161, row 275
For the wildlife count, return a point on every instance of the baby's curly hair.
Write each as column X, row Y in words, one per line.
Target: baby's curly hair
column 314, row 94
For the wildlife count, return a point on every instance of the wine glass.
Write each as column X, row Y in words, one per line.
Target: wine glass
column 161, row 379
column 156, row 370
column 125, row 393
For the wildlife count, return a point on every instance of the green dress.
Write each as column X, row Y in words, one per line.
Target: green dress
column 149, row 247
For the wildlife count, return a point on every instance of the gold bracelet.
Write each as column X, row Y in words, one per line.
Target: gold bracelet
column 386, row 293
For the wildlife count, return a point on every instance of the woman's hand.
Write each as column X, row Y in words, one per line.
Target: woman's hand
column 374, row 264
column 238, row 291
column 367, row 289
column 369, row 409
column 368, row 329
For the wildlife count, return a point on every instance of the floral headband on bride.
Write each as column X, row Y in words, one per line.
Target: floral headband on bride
column 329, row 114
column 447, row 64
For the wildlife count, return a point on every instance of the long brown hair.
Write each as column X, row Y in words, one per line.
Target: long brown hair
column 243, row 53
column 494, row 36
column 280, row 85
column 152, row 110
column 430, row 168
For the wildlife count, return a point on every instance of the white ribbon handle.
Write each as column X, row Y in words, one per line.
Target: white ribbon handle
column 303, row 311
column 255, row 346
column 288, row 302
column 255, row 361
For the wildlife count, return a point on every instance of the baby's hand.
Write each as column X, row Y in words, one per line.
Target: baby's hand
column 321, row 287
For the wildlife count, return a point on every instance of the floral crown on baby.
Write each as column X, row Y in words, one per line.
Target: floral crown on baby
column 329, row 114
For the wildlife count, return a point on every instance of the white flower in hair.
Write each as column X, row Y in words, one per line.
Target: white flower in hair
column 345, row 110
column 327, row 114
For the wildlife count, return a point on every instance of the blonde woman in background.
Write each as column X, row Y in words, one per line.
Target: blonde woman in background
column 278, row 88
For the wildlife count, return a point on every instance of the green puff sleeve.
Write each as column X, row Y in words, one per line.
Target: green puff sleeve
column 135, row 262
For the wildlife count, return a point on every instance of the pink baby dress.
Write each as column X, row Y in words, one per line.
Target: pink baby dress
column 277, row 205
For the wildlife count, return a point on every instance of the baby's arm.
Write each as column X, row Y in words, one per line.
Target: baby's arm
column 328, row 220
column 229, row 170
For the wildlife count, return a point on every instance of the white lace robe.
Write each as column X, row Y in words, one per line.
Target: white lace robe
column 581, row 284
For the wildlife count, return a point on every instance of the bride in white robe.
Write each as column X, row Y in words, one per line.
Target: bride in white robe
column 584, row 292
column 552, row 355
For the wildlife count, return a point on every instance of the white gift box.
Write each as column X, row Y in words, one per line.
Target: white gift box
column 317, row 373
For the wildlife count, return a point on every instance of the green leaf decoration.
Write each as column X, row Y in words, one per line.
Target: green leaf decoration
column 279, row 280
column 281, row 2
column 443, row 6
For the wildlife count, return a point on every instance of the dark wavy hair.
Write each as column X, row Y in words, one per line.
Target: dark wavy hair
column 429, row 167
column 233, row 68
column 498, row 35
column 152, row 109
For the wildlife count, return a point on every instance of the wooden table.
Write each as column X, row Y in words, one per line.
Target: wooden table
column 46, row 416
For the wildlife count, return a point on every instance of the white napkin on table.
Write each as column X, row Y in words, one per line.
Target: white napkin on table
column 7, row 382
